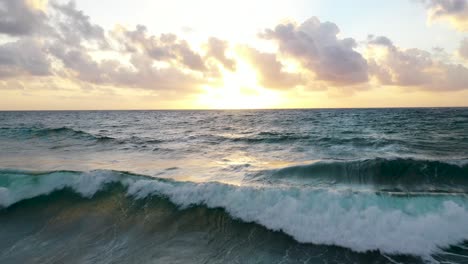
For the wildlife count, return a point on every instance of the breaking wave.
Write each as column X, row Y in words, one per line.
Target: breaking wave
column 386, row 174
column 362, row 221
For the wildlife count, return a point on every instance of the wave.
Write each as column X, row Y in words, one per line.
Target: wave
column 396, row 174
column 255, row 138
column 272, row 137
column 282, row 137
column 310, row 138
column 60, row 132
column 65, row 133
column 361, row 221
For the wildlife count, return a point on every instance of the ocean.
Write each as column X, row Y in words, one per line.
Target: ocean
column 234, row 186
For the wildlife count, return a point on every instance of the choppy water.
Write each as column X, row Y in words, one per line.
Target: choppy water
column 263, row 186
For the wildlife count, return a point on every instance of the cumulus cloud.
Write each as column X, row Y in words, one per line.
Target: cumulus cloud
column 270, row 70
column 23, row 57
column 73, row 27
column 414, row 68
column 217, row 49
column 455, row 11
column 65, row 44
column 161, row 48
column 69, row 43
column 138, row 73
column 316, row 45
column 19, row 17
column 380, row 40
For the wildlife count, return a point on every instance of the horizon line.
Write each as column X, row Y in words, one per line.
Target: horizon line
column 231, row 109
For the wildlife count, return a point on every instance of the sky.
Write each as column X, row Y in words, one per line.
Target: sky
column 207, row 54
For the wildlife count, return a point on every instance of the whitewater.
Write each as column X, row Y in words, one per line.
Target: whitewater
column 343, row 185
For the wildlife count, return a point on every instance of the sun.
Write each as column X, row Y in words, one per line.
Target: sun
column 239, row 90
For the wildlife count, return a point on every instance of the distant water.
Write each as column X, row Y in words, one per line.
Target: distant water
column 256, row 186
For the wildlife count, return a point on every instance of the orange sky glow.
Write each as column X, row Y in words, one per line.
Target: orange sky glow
column 64, row 55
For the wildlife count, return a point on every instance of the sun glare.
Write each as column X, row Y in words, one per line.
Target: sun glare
column 240, row 90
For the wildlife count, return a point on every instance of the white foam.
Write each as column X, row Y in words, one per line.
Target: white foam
column 25, row 186
column 360, row 221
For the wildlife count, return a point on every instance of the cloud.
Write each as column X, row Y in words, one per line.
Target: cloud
column 79, row 61
column 73, row 27
column 23, row 57
column 149, row 77
column 317, row 47
column 414, row 68
column 139, row 73
column 217, row 49
column 65, row 50
column 166, row 47
column 380, row 40
column 20, row 17
column 455, row 11
column 64, row 44
column 463, row 49
column 270, row 70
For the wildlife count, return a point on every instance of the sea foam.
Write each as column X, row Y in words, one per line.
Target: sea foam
column 361, row 221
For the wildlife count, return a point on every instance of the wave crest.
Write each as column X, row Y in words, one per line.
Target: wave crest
column 361, row 221
column 391, row 174
column 38, row 132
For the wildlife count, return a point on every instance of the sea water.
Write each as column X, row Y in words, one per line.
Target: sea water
column 234, row 186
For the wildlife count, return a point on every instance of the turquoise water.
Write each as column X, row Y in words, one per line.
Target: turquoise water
column 263, row 186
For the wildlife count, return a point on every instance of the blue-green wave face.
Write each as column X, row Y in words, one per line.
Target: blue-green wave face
column 317, row 186
column 397, row 175
column 418, row 225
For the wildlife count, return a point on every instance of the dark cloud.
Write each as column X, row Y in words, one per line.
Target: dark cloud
column 72, row 37
column 217, row 49
column 415, row 68
column 447, row 7
column 380, row 40
column 74, row 27
column 18, row 18
column 454, row 10
column 79, row 61
column 270, row 70
column 317, row 47
column 188, row 57
column 23, row 57
column 66, row 27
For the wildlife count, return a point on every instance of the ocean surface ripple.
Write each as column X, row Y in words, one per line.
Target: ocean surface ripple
column 251, row 186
